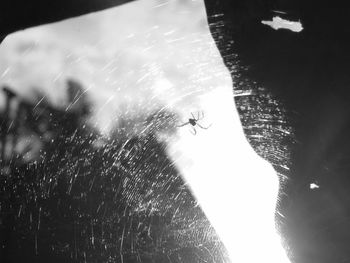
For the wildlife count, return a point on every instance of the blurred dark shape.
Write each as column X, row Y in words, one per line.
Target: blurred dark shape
column 9, row 93
column 77, row 99
column 27, row 125
column 5, row 124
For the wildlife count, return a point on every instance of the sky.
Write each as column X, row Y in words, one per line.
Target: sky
column 142, row 54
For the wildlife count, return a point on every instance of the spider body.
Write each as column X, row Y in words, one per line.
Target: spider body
column 194, row 122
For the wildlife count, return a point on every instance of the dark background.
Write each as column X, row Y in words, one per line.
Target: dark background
column 309, row 73
column 306, row 71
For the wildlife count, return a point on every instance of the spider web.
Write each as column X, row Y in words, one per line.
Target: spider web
column 94, row 199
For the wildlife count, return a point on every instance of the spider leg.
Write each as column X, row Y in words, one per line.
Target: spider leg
column 200, row 115
column 193, row 116
column 205, row 128
column 184, row 124
column 194, row 131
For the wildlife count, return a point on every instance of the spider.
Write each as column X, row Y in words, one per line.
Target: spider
column 194, row 122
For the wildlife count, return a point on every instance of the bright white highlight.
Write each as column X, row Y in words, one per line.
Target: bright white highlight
column 314, row 186
column 236, row 189
column 280, row 23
